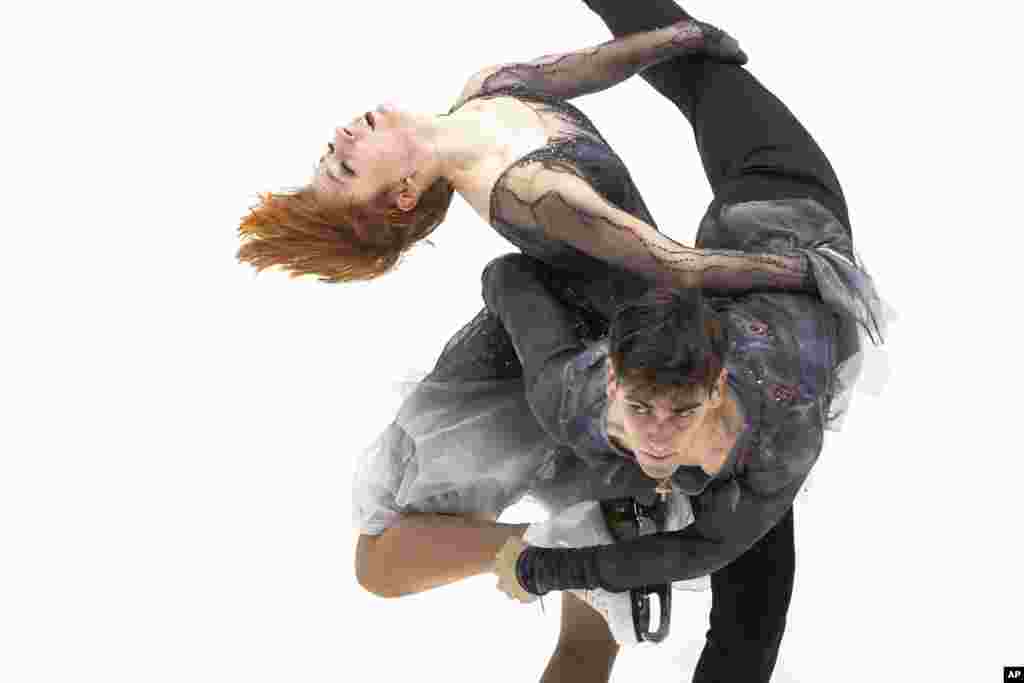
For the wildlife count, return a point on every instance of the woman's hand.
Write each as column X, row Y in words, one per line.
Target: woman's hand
column 704, row 39
column 505, row 568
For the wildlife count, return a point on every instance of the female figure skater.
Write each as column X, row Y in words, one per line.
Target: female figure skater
column 466, row 442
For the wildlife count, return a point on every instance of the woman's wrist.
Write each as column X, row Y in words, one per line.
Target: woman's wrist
column 687, row 36
column 692, row 37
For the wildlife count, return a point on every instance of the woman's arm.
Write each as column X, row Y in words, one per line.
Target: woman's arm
column 565, row 207
column 573, row 74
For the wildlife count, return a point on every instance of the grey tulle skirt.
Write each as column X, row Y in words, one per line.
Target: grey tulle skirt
column 466, row 442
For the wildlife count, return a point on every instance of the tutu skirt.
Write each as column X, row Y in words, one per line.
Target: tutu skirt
column 466, row 442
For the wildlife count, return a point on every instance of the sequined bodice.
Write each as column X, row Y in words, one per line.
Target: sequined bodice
column 577, row 148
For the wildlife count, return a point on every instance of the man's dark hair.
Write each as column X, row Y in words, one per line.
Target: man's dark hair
column 667, row 340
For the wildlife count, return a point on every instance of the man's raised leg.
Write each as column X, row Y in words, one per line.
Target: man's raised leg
column 751, row 145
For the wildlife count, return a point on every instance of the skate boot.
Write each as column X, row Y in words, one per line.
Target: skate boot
column 628, row 613
column 580, row 526
column 628, row 519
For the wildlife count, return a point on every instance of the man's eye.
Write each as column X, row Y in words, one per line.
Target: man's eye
column 638, row 408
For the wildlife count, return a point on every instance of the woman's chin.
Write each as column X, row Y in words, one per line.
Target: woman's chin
column 392, row 110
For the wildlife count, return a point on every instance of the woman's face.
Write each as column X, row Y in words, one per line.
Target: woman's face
column 374, row 152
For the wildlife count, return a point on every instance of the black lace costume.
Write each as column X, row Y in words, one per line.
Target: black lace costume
column 466, row 441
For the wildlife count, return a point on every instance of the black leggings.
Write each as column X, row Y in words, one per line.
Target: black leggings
column 752, row 148
column 751, row 145
column 749, row 601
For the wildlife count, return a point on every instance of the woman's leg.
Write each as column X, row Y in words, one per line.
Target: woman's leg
column 586, row 650
column 751, row 145
column 425, row 550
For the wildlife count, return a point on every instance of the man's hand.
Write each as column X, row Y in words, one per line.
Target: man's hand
column 505, row 568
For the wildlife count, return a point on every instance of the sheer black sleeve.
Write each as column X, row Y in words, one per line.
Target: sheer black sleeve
column 572, row 74
column 551, row 200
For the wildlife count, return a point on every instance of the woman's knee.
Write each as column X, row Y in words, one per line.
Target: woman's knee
column 369, row 566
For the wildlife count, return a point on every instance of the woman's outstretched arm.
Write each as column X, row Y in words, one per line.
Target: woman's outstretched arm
column 555, row 202
column 591, row 70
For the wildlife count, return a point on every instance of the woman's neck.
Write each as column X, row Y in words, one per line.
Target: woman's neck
column 460, row 142
column 481, row 139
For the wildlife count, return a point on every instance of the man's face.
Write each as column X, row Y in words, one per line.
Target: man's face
column 663, row 429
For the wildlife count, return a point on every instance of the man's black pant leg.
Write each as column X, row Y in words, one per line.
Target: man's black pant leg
column 751, row 145
column 750, row 598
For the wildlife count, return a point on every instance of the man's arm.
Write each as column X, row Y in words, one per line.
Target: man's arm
column 725, row 528
column 544, row 335
column 573, row 74
column 730, row 519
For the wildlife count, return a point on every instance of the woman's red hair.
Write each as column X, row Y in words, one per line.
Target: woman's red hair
column 298, row 233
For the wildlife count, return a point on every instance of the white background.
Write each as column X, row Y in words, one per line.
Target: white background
column 178, row 434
